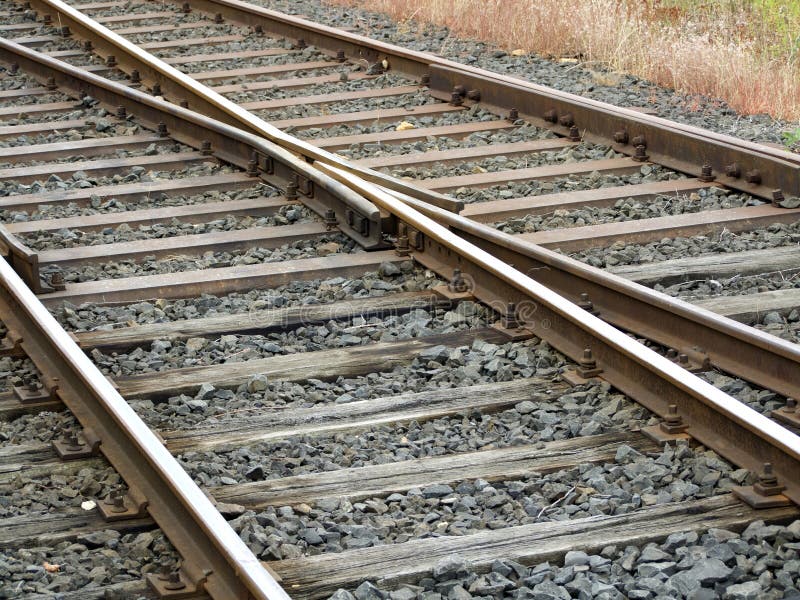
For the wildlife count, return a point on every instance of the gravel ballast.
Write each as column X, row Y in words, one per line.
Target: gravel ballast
column 761, row 562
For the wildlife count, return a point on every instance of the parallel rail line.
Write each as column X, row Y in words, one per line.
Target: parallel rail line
column 579, row 310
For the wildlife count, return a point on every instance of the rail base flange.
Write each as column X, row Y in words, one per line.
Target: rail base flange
column 750, row 496
column 183, row 583
column 572, row 377
column 659, row 436
column 514, row 334
column 446, row 293
column 788, row 415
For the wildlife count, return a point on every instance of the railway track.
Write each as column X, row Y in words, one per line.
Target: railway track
column 331, row 312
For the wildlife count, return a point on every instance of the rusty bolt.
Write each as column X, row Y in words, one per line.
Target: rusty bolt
column 47, row 19
column 425, row 79
column 513, row 115
column 259, row 29
column 187, row 8
column 292, row 187
column 218, row 18
column 574, row 134
column 401, row 246
column 156, row 90
column 57, row 279
column 51, row 84
column 588, row 361
column 73, row 443
column 791, row 405
column 87, row 45
column 586, row 304
column 33, row 385
column 252, row 167
column 641, row 153
column 753, row 177
column 174, row 582
column 474, row 95
column 65, row 32
column 672, row 354
column 458, row 284
column 340, row 56
column 777, row 197
column 567, row 120
column 183, row 104
column 162, row 129
column 706, row 173
column 768, row 484
column 121, row 113
column 683, row 359
column 460, row 90
column 111, row 61
column 639, row 140
column 733, row 170
column 13, row 69
column 330, row 219
column 551, row 116
column 205, row 148
column 135, row 77
column 621, row 137
column 118, row 503
column 673, row 422
column 509, row 319
column 456, row 99
column 301, row 44
column 673, row 418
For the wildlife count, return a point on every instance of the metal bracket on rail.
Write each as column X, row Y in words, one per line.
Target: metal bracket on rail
column 459, row 288
column 789, row 414
column 672, row 428
column 11, row 344
column 586, row 371
column 77, row 445
column 694, row 360
column 23, row 260
column 186, row 582
column 119, row 506
column 765, row 493
column 510, row 324
column 34, row 391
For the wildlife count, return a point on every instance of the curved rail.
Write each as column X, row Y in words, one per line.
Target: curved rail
column 764, row 359
column 274, row 163
column 716, row 419
column 215, row 105
column 754, row 356
column 179, row 507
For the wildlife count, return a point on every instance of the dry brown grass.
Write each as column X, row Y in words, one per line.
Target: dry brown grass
column 744, row 52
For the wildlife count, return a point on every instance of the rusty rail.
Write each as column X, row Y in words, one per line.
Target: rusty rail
column 739, row 164
column 704, row 337
column 178, row 86
column 357, row 217
column 216, row 558
column 723, row 423
column 731, row 428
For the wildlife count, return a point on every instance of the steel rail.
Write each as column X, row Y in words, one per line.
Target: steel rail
column 702, row 335
column 772, row 368
column 275, row 164
column 747, row 438
column 683, row 147
column 716, row 419
column 202, row 98
column 176, row 503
